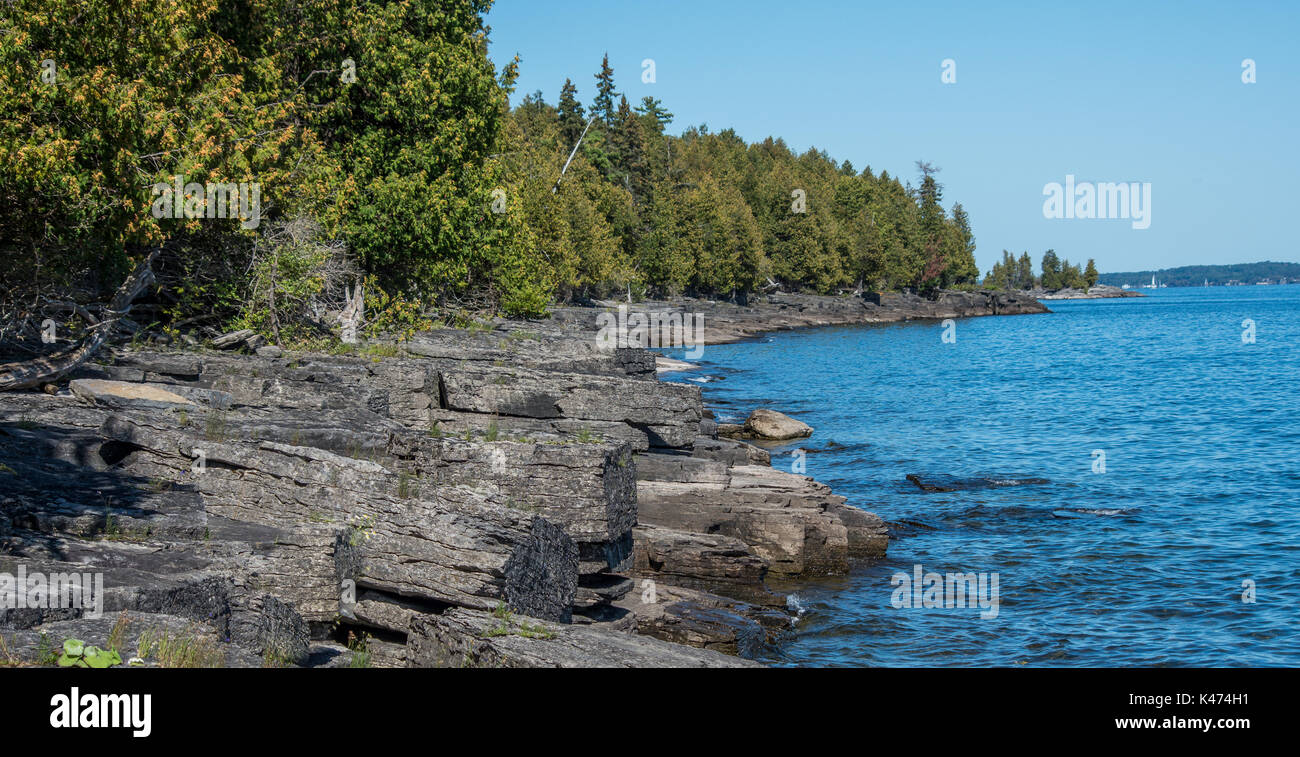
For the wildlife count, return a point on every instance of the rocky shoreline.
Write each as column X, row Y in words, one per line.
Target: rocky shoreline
column 517, row 496
column 1099, row 292
column 726, row 322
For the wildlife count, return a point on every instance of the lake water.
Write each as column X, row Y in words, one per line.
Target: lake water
column 1146, row 563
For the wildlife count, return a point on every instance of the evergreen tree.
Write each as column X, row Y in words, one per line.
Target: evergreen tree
column 1003, row 273
column 1090, row 274
column 1025, row 278
column 603, row 106
column 572, row 118
column 654, row 110
column 961, row 260
column 1052, row 270
column 628, row 150
column 936, row 272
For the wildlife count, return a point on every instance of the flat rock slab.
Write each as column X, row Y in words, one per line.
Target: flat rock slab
column 669, row 365
column 704, row 620
column 468, row 638
column 124, row 393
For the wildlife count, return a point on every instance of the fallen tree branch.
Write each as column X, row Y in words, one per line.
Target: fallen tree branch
column 28, row 373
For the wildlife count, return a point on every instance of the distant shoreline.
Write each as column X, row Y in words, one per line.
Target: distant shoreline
column 727, row 323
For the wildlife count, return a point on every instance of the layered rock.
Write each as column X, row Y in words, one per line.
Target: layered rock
column 792, row 522
column 702, row 619
column 448, row 543
column 470, row 497
column 464, row 638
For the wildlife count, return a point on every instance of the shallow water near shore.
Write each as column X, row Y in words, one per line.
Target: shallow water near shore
column 1143, row 564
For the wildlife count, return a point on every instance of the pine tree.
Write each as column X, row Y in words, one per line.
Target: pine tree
column 572, row 118
column 603, row 106
column 1051, row 267
column 1090, row 274
column 935, row 273
column 655, row 110
column 628, row 150
column 1002, row 275
column 961, row 262
column 1025, row 278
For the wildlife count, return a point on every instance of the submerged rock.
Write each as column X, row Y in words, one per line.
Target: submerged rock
column 946, row 483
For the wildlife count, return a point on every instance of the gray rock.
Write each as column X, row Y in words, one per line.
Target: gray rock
column 233, row 339
column 710, row 562
column 118, row 394
column 708, row 621
column 794, row 523
column 467, row 638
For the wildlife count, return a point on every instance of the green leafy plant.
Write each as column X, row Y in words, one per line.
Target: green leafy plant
column 77, row 654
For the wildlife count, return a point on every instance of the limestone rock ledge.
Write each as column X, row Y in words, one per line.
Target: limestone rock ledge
column 511, row 497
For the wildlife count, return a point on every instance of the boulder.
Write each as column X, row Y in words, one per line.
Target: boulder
column 769, row 424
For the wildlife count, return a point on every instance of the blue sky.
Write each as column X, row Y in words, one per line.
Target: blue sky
column 1106, row 91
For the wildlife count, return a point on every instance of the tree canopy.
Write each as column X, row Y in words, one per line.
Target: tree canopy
column 383, row 144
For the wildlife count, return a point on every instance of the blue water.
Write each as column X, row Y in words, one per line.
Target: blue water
column 1141, row 565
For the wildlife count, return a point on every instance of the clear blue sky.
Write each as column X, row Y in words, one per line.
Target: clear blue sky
column 1107, row 91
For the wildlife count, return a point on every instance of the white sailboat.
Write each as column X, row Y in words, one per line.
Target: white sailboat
column 1152, row 285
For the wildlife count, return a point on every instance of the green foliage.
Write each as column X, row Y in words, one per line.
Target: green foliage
column 360, row 647
column 176, row 649
column 45, row 654
column 1018, row 273
column 510, row 626
column 381, row 137
column 1012, row 273
column 78, row 654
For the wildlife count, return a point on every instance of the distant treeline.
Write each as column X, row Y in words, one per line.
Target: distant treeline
column 1054, row 273
column 1216, row 275
column 639, row 211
